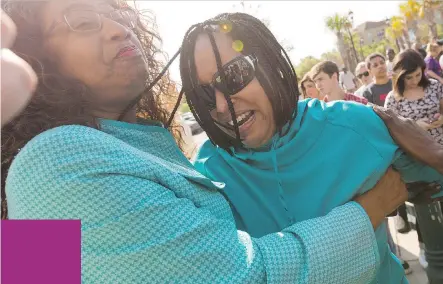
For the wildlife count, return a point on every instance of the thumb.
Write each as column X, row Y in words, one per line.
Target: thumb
column 8, row 31
column 380, row 111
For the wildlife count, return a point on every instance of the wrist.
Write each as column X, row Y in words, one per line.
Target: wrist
column 369, row 202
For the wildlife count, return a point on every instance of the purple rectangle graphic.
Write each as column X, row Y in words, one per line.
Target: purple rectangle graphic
column 40, row 251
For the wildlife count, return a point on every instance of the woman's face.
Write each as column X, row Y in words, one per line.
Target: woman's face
column 251, row 104
column 412, row 79
column 109, row 61
column 311, row 90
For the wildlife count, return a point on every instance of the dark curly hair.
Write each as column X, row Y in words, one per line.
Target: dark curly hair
column 61, row 101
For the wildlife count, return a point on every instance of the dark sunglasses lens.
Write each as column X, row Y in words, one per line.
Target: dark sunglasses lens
column 366, row 74
column 208, row 96
column 239, row 73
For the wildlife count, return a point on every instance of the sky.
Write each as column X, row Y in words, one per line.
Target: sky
column 300, row 23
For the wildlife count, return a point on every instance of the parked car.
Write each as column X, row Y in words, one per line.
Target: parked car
column 189, row 120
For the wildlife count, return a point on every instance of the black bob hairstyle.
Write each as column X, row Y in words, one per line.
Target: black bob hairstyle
column 275, row 72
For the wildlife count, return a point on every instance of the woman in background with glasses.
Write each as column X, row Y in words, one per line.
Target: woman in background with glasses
column 147, row 216
column 363, row 75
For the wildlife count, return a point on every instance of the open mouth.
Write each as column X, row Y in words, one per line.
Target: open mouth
column 242, row 119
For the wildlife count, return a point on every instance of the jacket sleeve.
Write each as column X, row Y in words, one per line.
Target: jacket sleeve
column 366, row 123
column 136, row 230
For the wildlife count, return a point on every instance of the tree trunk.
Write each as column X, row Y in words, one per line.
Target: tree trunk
column 415, row 30
column 342, row 49
column 407, row 39
column 398, row 44
column 432, row 30
column 401, row 41
column 430, row 18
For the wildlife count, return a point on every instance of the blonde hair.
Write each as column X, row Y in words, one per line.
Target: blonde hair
column 359, row 66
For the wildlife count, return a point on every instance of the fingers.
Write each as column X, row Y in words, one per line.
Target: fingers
column 425, row 193
column 383, row 113
column 8, row 30
column 420, row 186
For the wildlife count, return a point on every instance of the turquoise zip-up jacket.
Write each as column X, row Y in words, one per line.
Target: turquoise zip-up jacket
column 149, row 217
column 332, row 153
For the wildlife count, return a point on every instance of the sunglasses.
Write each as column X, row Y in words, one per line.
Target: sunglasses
column 366, row 74
column 238, row 72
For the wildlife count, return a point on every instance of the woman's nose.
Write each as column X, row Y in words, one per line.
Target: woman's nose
column 114, row 30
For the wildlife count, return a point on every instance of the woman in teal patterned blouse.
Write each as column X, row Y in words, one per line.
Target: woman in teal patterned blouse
column 147, row 215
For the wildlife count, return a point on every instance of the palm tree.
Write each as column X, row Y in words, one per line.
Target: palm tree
column 410, row 11
column 427, row 11
column 396, row 31
column 337, row 24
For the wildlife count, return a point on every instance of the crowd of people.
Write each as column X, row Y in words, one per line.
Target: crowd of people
column 409, row 83
column 269, row 199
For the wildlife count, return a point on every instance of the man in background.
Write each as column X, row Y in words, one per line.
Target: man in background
column 347, row 81
column 377, row 91
column 390, row 54
column 325, row 76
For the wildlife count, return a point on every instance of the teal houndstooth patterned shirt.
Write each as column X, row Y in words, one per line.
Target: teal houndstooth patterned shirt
column 149, row 217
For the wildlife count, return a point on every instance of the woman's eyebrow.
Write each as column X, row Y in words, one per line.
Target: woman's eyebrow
column 78, row 6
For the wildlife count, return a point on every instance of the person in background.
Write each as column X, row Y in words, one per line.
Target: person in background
column 433, row 69
column 390, row 54
column 441, row 59
column 18, row 80
column 415, row 96
column 362, row 73
column 420, row 99
column 418, row 47
column 325, row 76
column 308, row 89
column 347, row 81
column 377, row 91
column 440, row 44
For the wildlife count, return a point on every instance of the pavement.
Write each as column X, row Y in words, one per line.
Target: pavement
column 197, row 141
column 408, row 247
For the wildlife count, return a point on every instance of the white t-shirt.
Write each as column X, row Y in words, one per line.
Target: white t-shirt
column 360, row 91
column 347, row 80
column 441, row 62
column 389, row 68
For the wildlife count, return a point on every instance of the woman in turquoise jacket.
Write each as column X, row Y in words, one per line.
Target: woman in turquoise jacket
column 282, row 161
column 147, row 215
